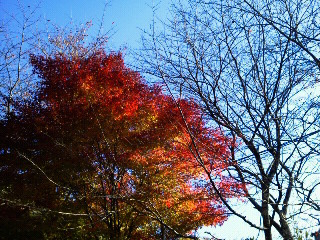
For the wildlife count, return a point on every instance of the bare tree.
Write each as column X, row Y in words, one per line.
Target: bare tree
column 253, row 66
column 297, row 21
column 18, row 36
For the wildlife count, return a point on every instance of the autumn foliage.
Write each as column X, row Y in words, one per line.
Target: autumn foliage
column 96, row 140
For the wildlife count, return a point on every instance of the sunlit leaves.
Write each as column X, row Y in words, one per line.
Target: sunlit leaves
column 135, row 160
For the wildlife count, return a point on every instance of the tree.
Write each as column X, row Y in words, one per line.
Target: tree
column 295, row 21
column 252, row 67
column 112, row 154
column 23, row 33
column 298, row 23
column 17, row 38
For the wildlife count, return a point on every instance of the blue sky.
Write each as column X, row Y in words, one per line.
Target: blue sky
column 126, row 18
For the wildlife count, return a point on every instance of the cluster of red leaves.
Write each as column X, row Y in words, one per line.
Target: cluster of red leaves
column 128, row 148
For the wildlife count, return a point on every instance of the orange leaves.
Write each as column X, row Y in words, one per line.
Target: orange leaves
column 141, row 151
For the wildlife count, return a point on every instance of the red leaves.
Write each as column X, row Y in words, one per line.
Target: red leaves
column 137, row 145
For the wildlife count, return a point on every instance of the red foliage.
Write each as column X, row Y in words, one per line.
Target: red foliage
column 127, row 148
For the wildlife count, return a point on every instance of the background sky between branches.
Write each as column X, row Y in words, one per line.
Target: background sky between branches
column 126, row 19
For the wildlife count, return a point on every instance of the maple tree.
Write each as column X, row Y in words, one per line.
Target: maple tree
column 115, row 156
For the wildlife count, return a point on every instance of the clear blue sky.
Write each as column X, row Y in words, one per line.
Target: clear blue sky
column 126, row 17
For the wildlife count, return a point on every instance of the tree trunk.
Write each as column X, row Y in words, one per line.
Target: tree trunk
column 265, row 213
column 286, row 232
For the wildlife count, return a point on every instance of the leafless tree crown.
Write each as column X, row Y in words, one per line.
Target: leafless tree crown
column 254, row 68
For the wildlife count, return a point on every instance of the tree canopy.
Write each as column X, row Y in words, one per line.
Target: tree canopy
column 98, row 152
